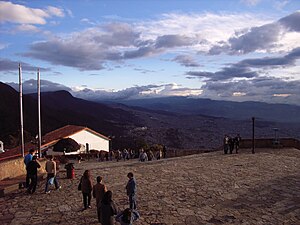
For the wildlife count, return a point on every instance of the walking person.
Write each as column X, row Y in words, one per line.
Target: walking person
column 86, row 189
column 131, row 189
column 107, row 209
column 32, row 168
column 99, row 190
column 127, row 217
column 226, row 143
column 51, row 170
column 27, row 159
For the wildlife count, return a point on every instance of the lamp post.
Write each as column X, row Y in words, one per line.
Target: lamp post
column 253, row 143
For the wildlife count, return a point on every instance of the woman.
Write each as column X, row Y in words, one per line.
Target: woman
column 107, row 209
column 127, row 217
column 86, row 188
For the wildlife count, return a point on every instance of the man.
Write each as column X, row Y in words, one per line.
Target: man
column 32, row 168
column 99, row 190
column 51, row 174
column 237, row 141
column 131, row 189
column 27, row 159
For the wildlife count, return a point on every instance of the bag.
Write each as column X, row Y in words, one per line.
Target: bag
column 51, row 180
column 79, row 186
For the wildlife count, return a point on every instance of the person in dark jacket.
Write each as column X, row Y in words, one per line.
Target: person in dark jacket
column 131, row 189
column 32, row 168
column 86, row 189
column 107, row 209
column 127, row 217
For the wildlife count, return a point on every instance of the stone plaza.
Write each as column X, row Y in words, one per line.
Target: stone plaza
column 208, row 188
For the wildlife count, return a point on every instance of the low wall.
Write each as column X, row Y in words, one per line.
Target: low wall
column 269, row 143
column 15, row 167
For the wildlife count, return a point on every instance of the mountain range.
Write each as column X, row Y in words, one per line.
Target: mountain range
column 176, row 122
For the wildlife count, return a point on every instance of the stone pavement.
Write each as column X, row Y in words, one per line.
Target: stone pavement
column 210, row 188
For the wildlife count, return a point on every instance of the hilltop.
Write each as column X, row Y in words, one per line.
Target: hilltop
column 134, row 126
column 209, row 188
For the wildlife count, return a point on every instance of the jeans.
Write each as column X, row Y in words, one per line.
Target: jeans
column 132, row 201
column 50, row 175
column 86, row 199
column 33, row 183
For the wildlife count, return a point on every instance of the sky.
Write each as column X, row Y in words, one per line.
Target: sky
column 237, row 50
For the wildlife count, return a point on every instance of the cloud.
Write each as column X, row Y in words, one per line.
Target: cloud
column 243, row 69
column 171, row 41
column 186, row 60
column 291, row 22
column 250, row 2
column 27, row 28
column 227, row 73
column 264, row 89
column 92, row 48
column 136, row 92
column 13, row 66
column 30, row 86
column 20, row 14
column 261, row 38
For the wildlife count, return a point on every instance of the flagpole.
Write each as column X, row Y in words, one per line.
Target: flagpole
column 39, row 112
column 21, row 110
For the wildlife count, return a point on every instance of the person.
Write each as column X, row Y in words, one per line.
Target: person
column 237, row 141
column 143, row 156
column 107, row 209
column 86, row 189
column 27, row 159
column 127, row 217
column 32, row 168
column 231, row 144
column 131, row 189
column 164, row 152
column 226, row 143
column 99, row 190
column 50, row 168
column 79, row 158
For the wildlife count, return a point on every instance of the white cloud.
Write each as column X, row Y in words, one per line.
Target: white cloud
column 250, row 2
column 27, row 28
column 15, row 13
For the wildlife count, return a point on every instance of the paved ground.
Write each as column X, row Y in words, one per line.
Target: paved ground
column 210, row 188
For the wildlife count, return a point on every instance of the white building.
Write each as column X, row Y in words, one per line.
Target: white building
column 88, row 139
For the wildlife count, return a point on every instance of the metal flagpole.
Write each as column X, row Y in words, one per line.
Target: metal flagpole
column 39, row 112
column 21, row 109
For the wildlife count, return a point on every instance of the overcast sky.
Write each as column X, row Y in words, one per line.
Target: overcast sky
column 237, row 50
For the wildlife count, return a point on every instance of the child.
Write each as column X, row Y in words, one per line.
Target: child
column 127, row 217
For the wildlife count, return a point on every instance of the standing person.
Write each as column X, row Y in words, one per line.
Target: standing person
column 131, row 189
column 231, row 144
column 107, row 209
column 99, row 190
column 50, row 168
column 226, row 143
column 164, row 152
column 127, row 217
column 237, row 140
column 86, row 189
column 32, row 168
column 27, row 159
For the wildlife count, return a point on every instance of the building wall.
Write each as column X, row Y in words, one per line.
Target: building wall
column 95, row 142
column 15, row 167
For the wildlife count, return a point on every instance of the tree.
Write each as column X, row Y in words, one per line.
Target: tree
column 67, row 145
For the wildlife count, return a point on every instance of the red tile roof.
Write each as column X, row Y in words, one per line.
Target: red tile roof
column 49, row 139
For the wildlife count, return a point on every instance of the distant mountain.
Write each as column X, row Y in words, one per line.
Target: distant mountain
column 174, row 122
column 227, row 109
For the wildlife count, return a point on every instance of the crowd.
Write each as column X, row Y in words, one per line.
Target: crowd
column 231, row 143
column 107, row 211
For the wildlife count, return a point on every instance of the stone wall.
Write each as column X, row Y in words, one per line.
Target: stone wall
column 15, row 167
column 270, row 143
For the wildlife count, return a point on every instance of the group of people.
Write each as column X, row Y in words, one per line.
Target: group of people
column 106, row 208
column 32, row 165
column 231, row 143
